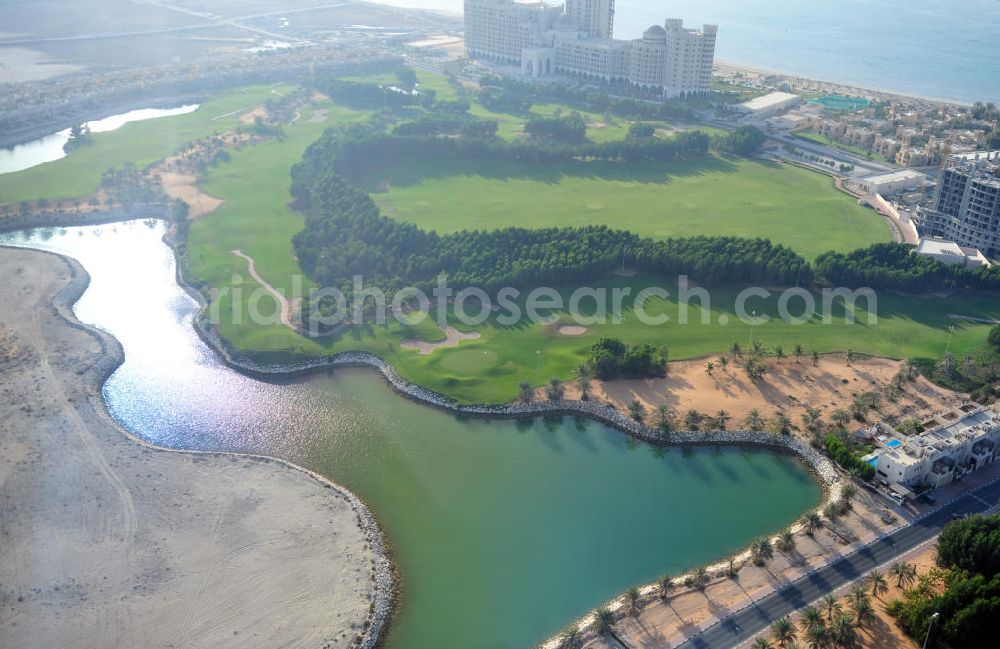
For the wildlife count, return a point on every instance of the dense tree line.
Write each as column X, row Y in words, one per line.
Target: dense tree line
column 743, row 141
column 517, row 94
column 893, row 266
column 570, row 129
column 610, row 358
column 345, row 233
column 842, row 455
column 356, row 150
column 964, row 592
column 367, row 95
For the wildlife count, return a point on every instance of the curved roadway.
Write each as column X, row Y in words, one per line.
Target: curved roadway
column 746, row 623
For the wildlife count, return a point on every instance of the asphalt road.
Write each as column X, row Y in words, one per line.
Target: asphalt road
column 746, row 623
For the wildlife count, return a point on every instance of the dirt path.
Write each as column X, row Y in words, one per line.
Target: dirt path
column 111, row 544
column 287, row 306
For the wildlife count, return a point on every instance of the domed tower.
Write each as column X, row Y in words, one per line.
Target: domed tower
column 647, row 59
column 594, row 17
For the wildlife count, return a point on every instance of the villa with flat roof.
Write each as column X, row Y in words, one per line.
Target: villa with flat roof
column 953, row 444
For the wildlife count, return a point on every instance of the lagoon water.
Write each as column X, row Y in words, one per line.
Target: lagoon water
column 503, row 531
column 50, row 147
column 940, row 49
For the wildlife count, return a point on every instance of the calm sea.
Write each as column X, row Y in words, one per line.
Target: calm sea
column 931, row 48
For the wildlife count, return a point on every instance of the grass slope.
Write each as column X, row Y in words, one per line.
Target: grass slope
column 713, row 196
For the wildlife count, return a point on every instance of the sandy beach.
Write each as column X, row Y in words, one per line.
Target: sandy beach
column 109, row 543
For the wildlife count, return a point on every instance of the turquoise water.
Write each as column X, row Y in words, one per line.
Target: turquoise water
column 503, row 531
column 949, row 50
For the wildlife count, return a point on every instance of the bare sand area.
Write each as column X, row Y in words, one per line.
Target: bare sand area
column 109, row 543
column 789, row 385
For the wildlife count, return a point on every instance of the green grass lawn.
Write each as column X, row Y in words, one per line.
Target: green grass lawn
column 141, row 143
column 490, row 368
column 255, row 216
column 713, row 196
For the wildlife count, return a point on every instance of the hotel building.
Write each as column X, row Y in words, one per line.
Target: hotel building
column 575, row 40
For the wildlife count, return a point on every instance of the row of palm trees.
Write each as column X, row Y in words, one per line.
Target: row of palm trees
column 829, row 625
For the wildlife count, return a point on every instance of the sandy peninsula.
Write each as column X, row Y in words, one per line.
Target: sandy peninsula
column 108, row 543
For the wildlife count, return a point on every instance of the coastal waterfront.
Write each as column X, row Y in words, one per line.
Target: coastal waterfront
column 469, row 540
column 50, row 148
column 881, row 45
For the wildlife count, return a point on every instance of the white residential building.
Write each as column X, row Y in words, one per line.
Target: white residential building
column 954, row 444
column 576, row 40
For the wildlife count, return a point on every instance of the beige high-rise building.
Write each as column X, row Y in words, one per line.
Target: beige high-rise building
column 594, row 18
column 544, row 40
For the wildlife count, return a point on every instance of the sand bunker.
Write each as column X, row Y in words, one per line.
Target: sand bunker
column 452, row 338
column 572, row 330
column 185, row 187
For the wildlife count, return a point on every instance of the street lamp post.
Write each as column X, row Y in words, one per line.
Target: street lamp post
column 930, row 626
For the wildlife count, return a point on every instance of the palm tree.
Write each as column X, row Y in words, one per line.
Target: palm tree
column 721, row 418
column 798, row 351
column 842, row 630
column 782, row 423
column 762, row 643
column 848, row 492
column 664, row 418
column 815, row 357
column 813, row 419
column 779, row 352
column 849, row 356
column 761, row 551
column 811, row 618
column 701, row 578
column 812, row 522
column 583, row 383
column 831, row 606
column 783, row 631
column 632, row 594
column 786, row 541
column 723, row 363
column 555, row 389
column 818, row 636
column 636, row 410
column 710, row 367
column 603, row 621
column 754, row 421
column 735, row 349
column 525, row 392
column 876, row 580
column 692, row 419
column 666, row 585
column 859, row 593
column 841, row 417
column 905, row 573
column 864, row 612
column 570, row 638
